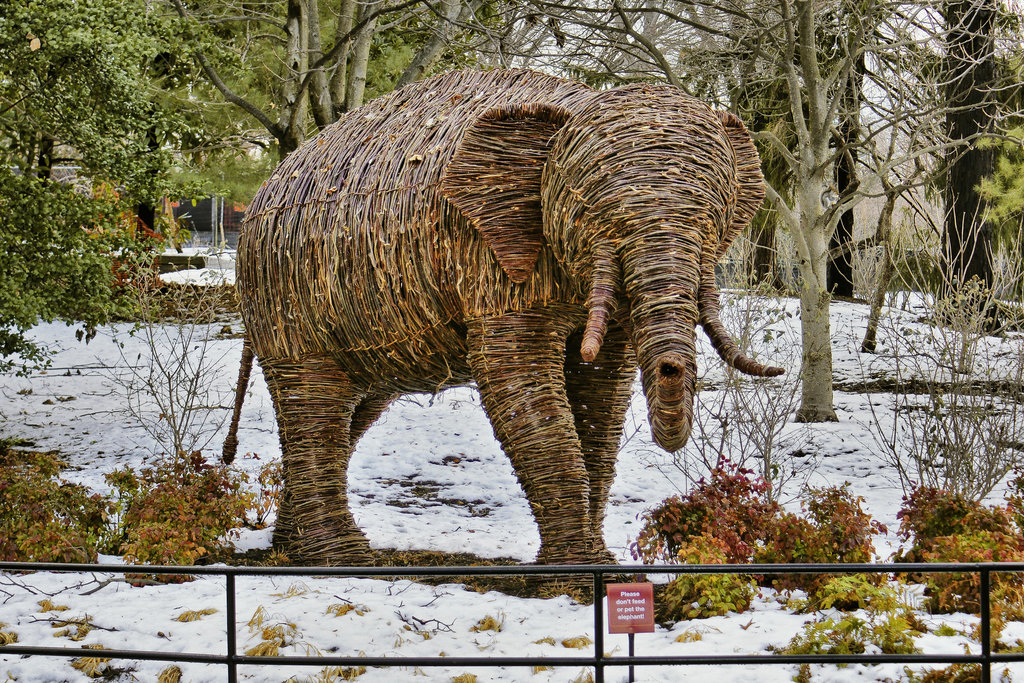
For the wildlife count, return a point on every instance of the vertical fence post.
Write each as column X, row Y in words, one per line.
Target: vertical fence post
column 598, row 626
column 229, row 587
column 986, row 628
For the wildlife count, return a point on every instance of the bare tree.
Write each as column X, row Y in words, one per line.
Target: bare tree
column 170, row 368
column 296, row 66
column 813, row 55
column 956, row 420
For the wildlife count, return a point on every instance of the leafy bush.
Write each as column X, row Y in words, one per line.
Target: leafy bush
column 835, row 528
column 883, row 621
column 929, row 514
column 954, row 673
column 843, row 527
column 179, row 511
column 58, row 247
column 734, row 510
column 44, row 518
column 862, row 591
column 731, row 506
column 267, row 497
column 698, row 596
column 851, row 635
column 948, row 527
column 176, row 513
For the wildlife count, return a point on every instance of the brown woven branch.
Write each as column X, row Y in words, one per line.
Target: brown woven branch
column 506, row 227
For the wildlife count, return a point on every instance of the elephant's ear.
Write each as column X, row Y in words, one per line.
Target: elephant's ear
column 749, row 181
column 494, row 180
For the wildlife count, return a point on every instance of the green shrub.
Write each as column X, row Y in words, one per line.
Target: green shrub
column 731, row 506
column 851, row 634
column 734, row 509
column 884, row 621
column 939, row 526
column 178, row 512
column 862, row 591
column 44, row 518
column 954, row 673
column 698, row 596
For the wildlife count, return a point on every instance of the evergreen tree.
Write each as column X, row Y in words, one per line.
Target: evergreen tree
column 77, row 119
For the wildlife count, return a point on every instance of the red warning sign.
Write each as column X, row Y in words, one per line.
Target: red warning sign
column 630, row 608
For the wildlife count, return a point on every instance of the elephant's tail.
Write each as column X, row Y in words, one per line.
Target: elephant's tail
column 231, row 442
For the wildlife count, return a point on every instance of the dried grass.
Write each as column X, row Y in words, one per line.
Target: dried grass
column 341, row 609
column 73, row 629
column 93, row 667
column 585, row 676
column 196, row 615
column 171, row 674
column 689, row 636
column 489, row 623
column 46, row 605
column 578, row 642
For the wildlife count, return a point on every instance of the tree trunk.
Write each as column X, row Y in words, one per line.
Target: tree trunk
column 319, row 90
column 812, row 118
column 883, row 236
column 451, row 10
column 761, row 263
column 339, row 80
column 840, row 265
column 44, row 162
column 816, row 366
column 970, row 74
column 361, row 58
column 815, row 327
column 291, row 132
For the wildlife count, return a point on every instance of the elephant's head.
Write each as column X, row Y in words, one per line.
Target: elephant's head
column 639, row 192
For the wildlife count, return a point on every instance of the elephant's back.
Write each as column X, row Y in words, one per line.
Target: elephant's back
column 350, row 245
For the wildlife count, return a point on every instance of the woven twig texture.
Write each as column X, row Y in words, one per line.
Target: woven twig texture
column 508, row 228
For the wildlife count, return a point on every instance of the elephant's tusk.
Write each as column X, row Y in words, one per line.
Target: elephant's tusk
column 600, row 303
column 707, row 302
column 593, row 337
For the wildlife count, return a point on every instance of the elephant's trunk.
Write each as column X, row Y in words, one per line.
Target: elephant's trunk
column 661, row 279
column 670, row 400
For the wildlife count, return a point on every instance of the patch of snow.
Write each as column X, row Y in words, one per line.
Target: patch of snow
column 429, row 474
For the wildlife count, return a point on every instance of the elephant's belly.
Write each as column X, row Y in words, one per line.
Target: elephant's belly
column 425, row 361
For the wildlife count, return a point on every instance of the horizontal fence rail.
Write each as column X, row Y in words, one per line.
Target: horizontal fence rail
column 598, row 660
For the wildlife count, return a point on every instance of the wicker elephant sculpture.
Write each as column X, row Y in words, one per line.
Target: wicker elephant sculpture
column 505, row 227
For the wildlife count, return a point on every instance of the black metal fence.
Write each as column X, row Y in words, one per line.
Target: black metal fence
column 231, row 659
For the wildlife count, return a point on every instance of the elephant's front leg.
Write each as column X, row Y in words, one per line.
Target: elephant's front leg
column 315, row 401
column 599, row 392
column 518, row 361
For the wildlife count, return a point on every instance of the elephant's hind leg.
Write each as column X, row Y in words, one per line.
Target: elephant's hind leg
column 367, row 412
column 599, row 392
column 315, row 401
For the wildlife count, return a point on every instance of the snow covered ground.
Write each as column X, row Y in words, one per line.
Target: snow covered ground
column 428, row 475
